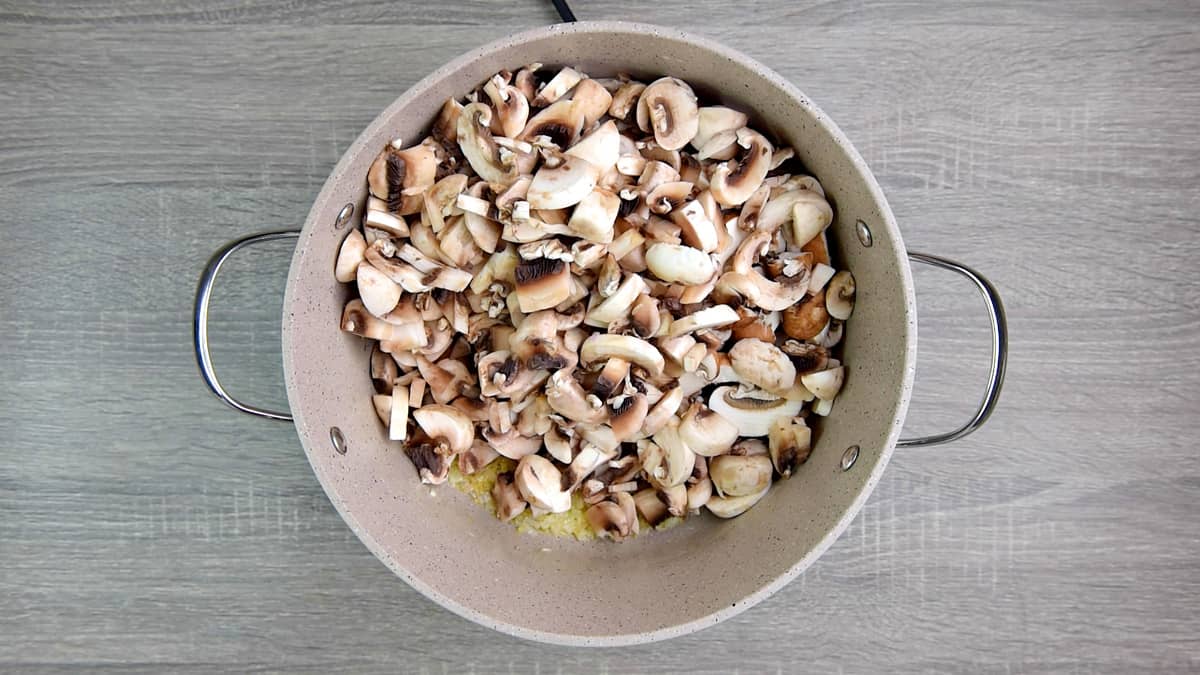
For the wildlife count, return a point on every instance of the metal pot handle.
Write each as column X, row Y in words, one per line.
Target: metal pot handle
column 999, row 324
column 200, row 324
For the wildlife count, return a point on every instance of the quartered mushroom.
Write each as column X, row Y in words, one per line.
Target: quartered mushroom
column 618, row 288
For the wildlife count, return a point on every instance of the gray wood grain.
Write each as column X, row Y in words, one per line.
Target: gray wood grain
column 143, row 526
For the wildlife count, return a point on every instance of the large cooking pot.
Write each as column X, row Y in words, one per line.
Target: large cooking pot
column 658, row 585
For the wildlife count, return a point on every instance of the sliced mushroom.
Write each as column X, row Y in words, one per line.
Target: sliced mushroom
column 560, row 123
column 479, row 147
column 534, row 419
column 806, row 357
column 594, row 216
column 821, row 274
column 617, row 305
column 564, row 185
column 645, row 318
column 542, row 283
column 557, row 86
column 510, row 104
column 627, row 415
column 709, row 317
column 733, row 186
column 567, row 397
column 512, row 444
column 712, row 120
column 378, row 292
column 400, row 176
column 445, row 126
column 668, row 108
column 698, row 494
column 763, row 365
column 748, row 218
column 662, row 412
column 540, row 483
column 507, row 498
column 825, row 384
column 839, row 296
column 356, row 319
column 610, row 378
column 807, row 319
column 696, row 228
column 625, row 100
column 706, row 432
column 666, row 196
column 383, row 407
column 432, row 466
column 610, row 519
column 681, row 264
column 559, row 446
column 601, row 347
column 740, row 475
column 752, row 415
column 479, row 455
column 678, row 457
column 398, row 415
column 731, row 507
column 591, row 100
column 650, row 506
column 763, row 292
column 350, row 255
column 779, row 208
column 790, row 444
column 589, row 458
column 810, row 217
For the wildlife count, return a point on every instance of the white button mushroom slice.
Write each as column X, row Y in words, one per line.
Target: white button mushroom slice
column 696, row 228
column 430, row 272
column 510, row 104
column 610, row 378
column 732, row 186
column 625, row 242
column 825, row 384
column 645, row 316
column 592, row 100
column 567, row 397
column 542, row 283
column 512, row 444
column 479, row 147
column 432, row 466
column 780, row 156
column 839, row 296
column 558, row 445
column 790, row 443
column 350, row 255
column 398, row 415
column 709, row 317
column 379, row 294
column 821, row 274
column 764, row 293
column 778, row 209
column 706, row 432
column 678, row 457
column 748, row 218
column 558, row 85
column 667, row 196
column 560, row 124
column 809, row 220
column 601, row 148
column 440, row 200
column 751, row 415
column 540, row 484
column 731, row 507
column 534, row 418
column 676, row 348
column 383, row 407
column 356, row 319
column 625, row 100
column 391, row 223
column 740, row 475
column 650, row 506
column 627, row 415
column 802, row 182
column 601, row 347
column 668, row 108
column 609, row 520
column 679, row 264
column 721, row 146
column 445, row 126
column 763, row 365
column 662, row 412
column 589, row 458
column 675, row 498
column 823, row 408
column 617, row 305
column 594, row 216
column 698, row 494
column 506, row 496
column 399, row 177
column 599, row 435
column 562, row 186
column 711, row 120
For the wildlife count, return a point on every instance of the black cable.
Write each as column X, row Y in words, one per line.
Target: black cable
column 564, row 11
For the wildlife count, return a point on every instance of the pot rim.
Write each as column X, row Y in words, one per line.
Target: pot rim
column 888, row 222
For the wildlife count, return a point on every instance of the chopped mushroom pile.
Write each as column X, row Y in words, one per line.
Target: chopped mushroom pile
column 625, row 293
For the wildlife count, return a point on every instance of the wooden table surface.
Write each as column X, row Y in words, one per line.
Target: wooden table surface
column 145, row 526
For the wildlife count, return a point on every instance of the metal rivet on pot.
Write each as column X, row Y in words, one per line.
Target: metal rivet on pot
column 849, row 457
column 338, row 440
column 864, row 234
column 343, row 217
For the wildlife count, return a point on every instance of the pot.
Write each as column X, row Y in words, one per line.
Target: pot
column 654, row 586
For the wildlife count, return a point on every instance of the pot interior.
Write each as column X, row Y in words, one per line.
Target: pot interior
column 661, row 583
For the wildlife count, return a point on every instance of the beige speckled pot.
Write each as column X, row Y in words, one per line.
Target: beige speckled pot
column 652, row 587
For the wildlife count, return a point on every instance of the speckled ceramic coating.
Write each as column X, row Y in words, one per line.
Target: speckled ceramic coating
column 652, row 587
